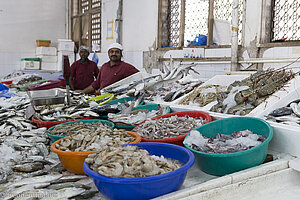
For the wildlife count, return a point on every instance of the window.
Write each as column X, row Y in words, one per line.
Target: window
column 286, row 20
column 185, row 19
column 86, row 22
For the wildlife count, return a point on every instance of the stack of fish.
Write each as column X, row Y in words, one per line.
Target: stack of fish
column 28, row 170
column 136, row 116
column 89, row 137
column 172, row 91
column 151, row 84
column 168, row 127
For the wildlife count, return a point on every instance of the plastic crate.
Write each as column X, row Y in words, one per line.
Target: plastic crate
column 43, row 43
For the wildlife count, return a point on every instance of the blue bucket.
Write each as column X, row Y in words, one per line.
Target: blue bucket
column 146, row 187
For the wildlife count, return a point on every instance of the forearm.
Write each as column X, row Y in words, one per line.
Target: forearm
column 71, row 83
column 88, row 89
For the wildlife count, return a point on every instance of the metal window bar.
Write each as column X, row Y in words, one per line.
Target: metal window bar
column 174, row 13
column 286, row 20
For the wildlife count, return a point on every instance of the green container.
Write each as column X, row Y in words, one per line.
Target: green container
column 221, row 164
column 121, row 100
column 55, row 137
column 149, row 107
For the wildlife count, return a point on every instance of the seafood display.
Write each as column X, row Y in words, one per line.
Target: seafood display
column 129, row 162
column 221, row 143
column 172, row 91
column 74, row 128
column 243, row 96
column 92, row 137
column 150, row 84
column 60, row 112
column 203, row 95
column 289, row 114
column 136, row 117
column 168, row 127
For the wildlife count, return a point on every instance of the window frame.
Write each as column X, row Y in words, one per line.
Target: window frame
column 79, row 16
column 182, row 22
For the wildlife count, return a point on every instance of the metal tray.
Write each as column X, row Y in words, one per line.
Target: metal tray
column 46, row 97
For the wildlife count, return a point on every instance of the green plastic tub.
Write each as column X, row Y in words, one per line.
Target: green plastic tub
column 121, row 100
column 149, row 107
column 221, row 164
column 55, row 137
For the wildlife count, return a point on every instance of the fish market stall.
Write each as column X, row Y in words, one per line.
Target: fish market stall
column 29, row 168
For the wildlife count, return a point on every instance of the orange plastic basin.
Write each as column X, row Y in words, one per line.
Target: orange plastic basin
column 73, row 161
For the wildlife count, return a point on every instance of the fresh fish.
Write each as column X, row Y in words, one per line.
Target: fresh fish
column 68, row 184
column 14, row 192
column 296, row 109
column 28, row 167
column 281, row 112
column 38, row 179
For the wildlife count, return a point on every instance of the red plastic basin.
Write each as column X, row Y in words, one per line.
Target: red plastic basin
column 179, row 139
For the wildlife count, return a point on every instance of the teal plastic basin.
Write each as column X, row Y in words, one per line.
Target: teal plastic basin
column 221, row 164
column 149, row 107
column 121, row 100
column 55, row 137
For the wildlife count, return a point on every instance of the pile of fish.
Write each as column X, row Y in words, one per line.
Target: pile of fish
column 172, row 91
column 12, row 75
column 136, row 116
column 55, row 185
column 289, row 114
column 168, row 127
column 221, row 143
column 203, row 95
column 243, row 96
column 92, row 137
column 60, row 112
column 22, row 146
column 129, row 162
column 74, row 128
column 28, row 169
column 151, row 84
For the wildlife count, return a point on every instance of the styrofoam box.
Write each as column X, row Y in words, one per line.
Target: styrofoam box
column 289, row 93
column 50, row 59
column 47, row 51
column 65, row 45
column 222, row 80
column 30, row 64
column 60, row 58
column 49, row 66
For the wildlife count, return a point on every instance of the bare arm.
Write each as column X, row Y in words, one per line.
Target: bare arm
column 71, row 82
column 87, row 90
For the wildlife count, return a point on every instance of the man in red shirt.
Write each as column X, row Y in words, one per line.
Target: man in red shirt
column 111, row 71
column 83, row 71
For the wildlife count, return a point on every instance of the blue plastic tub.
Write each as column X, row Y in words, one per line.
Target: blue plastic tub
column 221, row 164
column 146, row 187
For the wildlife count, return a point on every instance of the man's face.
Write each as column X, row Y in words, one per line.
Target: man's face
column 114, row 54
column 84, row 54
